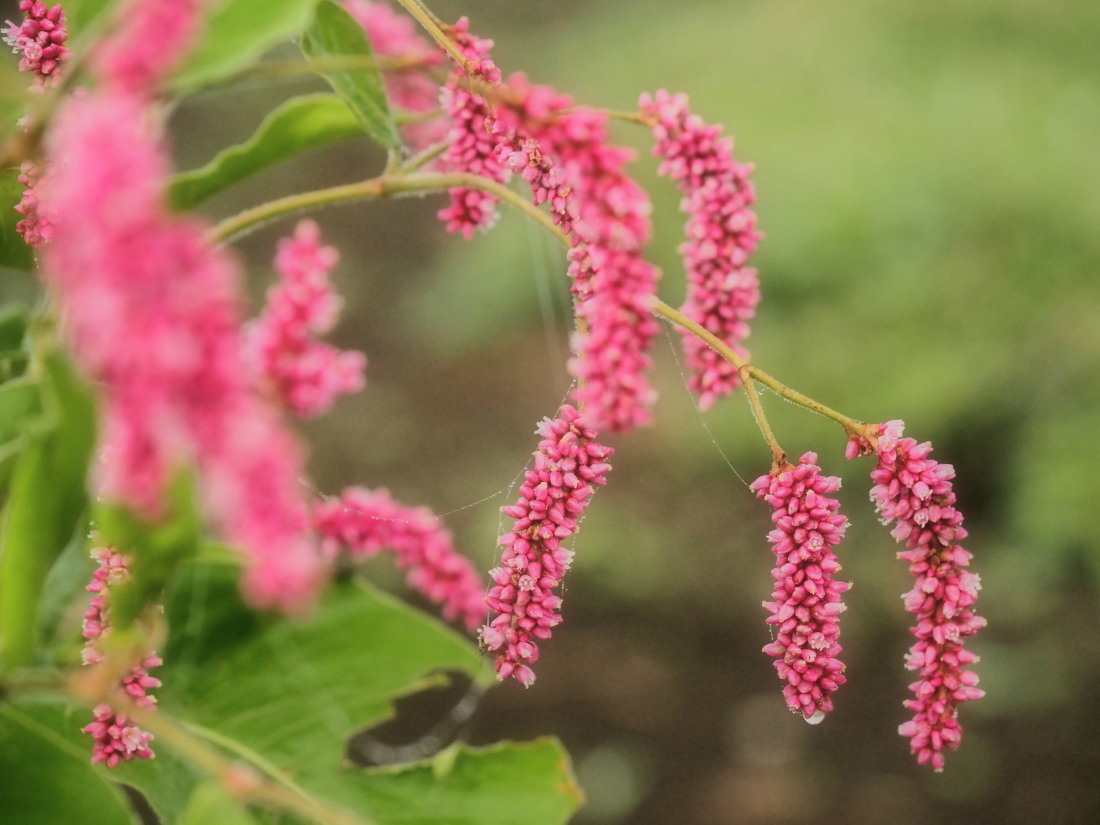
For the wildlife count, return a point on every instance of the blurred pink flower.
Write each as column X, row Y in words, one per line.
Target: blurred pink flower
column 149, row 40
column 151, row 311
column 806, row 603
column 36, row 227
column 366, row 522
column 299, row 372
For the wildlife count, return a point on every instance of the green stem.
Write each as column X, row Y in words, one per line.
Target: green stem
column 260, row 790
column 432, row 26
column 384, row 186
column 850, row 425
column 779, row 455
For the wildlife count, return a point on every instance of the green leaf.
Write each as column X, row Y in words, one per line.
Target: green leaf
column 296, row 691
column 334, row 35
column 80, row 14
column 211, row 804
column 45, row 761
column 20, row 410
column 237, row 33
column 506, row 784
column 20, row 403
column 14, row 253
column 45, row 504
column 13, row 326
column 298, row 124
column 156, row 549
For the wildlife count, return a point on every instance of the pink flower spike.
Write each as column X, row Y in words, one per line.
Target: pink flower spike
column 721, row 235
column 915, row 492
column 472, row 136
column 298, row 372
column 365, row 522
column 553, row 497
column 610, row 212
column 807, row 600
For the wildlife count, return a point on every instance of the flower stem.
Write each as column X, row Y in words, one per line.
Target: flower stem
column 432, row 26
column 384, row 186
column 851, row 425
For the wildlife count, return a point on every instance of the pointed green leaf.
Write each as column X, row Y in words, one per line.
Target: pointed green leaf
column 506, row 784
column 48, row 778
column 298, row 124
column 45, row 505
column 237, row 34
column 334, row 35
column 14, row 253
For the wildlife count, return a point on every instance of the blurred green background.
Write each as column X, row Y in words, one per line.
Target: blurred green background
column 929, row 190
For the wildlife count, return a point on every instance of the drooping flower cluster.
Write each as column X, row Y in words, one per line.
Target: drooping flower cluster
column 553, row 497
column 299, row 372
column 721, row 234
column 915, row 491
column 366, row 522
column 396, row 36
column 39, row 40
column 151, row 310
column 611, row 215
column 472, row 135
column 116, row 739
column 806, row 602
column 148, row 41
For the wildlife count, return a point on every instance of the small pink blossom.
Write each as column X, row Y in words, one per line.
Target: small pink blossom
column 721, row 235
column 806, row 603
column 395, row 35
column 914, row 492
column 299, row 372
column 553, row 497
column 39, row 40
column 472, row 136
column 365, row 522
column 116, row 740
